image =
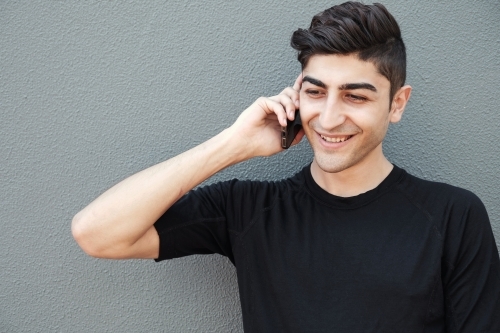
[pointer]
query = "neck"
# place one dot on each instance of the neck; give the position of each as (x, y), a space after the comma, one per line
(359, 178)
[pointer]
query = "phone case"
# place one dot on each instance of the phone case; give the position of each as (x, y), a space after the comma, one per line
(289, 132)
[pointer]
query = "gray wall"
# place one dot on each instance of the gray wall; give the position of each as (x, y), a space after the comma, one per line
(91, 92)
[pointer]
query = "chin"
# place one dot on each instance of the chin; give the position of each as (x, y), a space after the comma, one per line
(331, 164)
(335, 162)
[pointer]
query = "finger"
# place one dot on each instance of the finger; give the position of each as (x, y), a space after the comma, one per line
(270, 106)
(286, 98)
(293, 94)
(298, 82)
(296, 86)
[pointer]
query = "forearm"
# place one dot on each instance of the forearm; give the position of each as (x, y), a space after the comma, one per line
(119, 223)
(122, 215)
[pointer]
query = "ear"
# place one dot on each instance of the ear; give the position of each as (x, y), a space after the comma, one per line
(399, 103)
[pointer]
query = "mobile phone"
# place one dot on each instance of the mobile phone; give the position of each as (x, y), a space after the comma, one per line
(289, 132)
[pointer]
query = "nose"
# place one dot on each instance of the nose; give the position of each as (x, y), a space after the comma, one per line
(332, 115)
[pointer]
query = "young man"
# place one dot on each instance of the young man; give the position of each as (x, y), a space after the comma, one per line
(351, 243)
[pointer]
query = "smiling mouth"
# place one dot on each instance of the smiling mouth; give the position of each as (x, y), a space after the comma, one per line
(337, 138)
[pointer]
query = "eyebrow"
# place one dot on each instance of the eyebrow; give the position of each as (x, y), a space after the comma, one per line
(345, 86)
(361, 85)
(314, 81)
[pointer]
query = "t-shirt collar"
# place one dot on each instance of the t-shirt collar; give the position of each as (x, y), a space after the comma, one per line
(355, 201)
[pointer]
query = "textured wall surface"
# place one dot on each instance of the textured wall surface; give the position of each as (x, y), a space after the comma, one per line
(91, 92)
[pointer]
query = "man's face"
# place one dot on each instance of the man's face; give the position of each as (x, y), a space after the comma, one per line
(344, 106)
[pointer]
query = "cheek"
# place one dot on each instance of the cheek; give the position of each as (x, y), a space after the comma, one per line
(378, 125)
(310, 107)
(307, 112)
(370, 121)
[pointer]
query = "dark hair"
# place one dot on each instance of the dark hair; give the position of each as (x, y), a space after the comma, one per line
(368, 31)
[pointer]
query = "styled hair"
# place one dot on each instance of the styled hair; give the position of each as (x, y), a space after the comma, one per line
(368, 31)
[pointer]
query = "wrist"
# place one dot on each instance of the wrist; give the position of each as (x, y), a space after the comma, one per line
(236, 148)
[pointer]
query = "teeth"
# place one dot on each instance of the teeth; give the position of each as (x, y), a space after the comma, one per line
(337, 139)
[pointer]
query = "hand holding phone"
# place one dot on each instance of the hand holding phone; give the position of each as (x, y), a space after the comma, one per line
(289, 132)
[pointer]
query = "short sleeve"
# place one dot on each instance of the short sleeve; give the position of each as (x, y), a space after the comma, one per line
(471, 271)
(196, 224)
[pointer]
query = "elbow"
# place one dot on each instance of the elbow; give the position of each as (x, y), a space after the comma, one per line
(82, 233)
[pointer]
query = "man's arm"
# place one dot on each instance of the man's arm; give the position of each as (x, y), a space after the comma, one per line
(119, 223)
(471, 270)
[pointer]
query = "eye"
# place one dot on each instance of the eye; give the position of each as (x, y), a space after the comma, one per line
(313, 92)
(356, 98)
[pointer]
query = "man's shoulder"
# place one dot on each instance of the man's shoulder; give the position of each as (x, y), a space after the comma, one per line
(416, 185)
(251, 187)
(437, 196)
(252, 192)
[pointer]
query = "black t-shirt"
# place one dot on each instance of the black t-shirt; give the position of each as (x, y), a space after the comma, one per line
(408, 256)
